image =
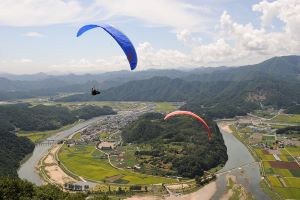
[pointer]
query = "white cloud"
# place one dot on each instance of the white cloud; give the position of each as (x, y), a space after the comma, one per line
(235, 43)
(34, 34)
(40, 12)
(21, 61)
(24, 61)
(185, 36)
(288, 11)
(170, 13)
(85, 65)
(162, 58)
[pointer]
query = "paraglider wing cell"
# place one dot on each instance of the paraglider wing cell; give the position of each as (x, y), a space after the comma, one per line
(170, 115)
(120, 38)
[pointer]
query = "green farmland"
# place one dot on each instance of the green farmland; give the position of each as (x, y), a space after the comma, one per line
(293, 119)
(283, 179)
(165, 107)
(37, 137)
(89, 163)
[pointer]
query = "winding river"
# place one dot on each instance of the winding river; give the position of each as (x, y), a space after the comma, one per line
(28, 169)
(238, 156)
(242, 165)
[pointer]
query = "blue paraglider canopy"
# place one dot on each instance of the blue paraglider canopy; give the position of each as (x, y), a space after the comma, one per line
(122, 40)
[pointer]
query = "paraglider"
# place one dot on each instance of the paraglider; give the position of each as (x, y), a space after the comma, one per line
(94, 92)
(120, 38)
(170, 115)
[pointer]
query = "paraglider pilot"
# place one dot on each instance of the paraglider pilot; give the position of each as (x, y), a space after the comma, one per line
(94, 92)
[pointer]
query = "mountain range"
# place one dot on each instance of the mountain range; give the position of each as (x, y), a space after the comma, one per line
(223, 92)
(217, 92)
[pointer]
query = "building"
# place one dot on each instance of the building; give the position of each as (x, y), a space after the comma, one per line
(79, 186)
(107, 145)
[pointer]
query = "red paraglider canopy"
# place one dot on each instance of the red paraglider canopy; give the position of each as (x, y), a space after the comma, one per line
(193, 115)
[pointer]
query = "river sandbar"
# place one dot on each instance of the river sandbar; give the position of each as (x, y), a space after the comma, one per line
(52, 169)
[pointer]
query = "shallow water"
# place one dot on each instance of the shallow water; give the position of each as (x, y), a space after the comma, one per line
(248, 175)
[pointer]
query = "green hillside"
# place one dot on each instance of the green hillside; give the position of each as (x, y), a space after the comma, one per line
(177, 147)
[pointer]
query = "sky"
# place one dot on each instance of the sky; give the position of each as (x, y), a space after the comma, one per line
(40, 35)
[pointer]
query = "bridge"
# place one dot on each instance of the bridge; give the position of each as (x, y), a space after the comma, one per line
(48, 142)
(235, 168)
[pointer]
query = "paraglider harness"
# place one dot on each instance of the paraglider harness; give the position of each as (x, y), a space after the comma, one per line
(94, 92)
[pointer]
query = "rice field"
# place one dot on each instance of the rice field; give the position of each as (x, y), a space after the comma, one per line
(283, 118)
(286, 170)
(91, 164)
(274, 181)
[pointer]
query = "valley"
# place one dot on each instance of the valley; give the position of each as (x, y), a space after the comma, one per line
(109, 162)
(125, 148)
(278, 154)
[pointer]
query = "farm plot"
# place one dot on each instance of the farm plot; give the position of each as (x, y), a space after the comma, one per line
(284, 165)
(282, 175)
(91, 164)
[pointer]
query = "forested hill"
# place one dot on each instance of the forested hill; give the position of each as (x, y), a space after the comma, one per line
(221, 93)
(154, 89)
(12, 150)
(41, 117)
(16, 189)
(34, 118)
(179, 146)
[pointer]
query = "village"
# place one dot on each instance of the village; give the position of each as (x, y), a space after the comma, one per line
(105, 133)
(262, 132)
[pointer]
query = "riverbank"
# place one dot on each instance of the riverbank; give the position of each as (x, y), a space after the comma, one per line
(205, 193)
(50, 168)
(225, 126)
(28, 169)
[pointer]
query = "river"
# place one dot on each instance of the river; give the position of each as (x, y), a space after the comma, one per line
(238, 155)
(28, 169)
(246, 175)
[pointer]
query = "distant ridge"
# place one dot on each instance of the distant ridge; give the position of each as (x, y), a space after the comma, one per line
(229, 91)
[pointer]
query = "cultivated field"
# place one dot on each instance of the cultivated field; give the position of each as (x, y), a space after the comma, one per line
(165, 107)
(279, 165)
(284, 118)
(284, 175)
(36, 137)
(90, 163)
